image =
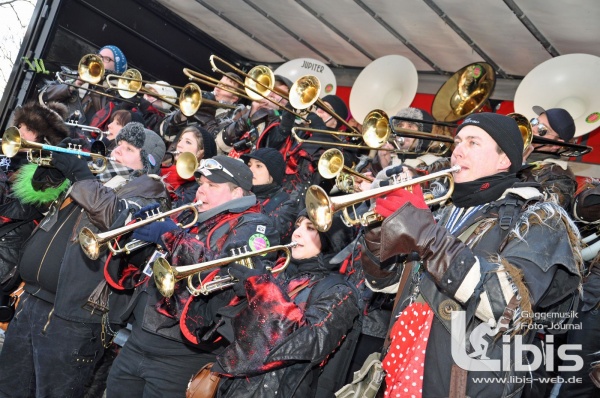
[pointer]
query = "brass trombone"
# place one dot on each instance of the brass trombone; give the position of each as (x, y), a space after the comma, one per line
(211, 81)
(12, 143)
(165, 275)
(321, 207)
(304, 93)
(94, 244)
(420, 135)
(331, 165)
(258, 83)
(570, 150)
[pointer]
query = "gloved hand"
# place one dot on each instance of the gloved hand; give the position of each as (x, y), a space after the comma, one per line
(72, 167)
(145, 211)
(153, 232)
(394, 200)
(241, 273)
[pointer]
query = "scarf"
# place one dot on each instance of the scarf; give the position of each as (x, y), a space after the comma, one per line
(265, 191)
(483, 190)
(117, 169)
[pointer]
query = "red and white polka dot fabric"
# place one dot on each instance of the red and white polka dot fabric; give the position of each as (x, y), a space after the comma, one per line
(405, 360)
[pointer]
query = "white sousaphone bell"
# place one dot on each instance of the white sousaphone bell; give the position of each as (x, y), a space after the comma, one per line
(570, 82)
(389, 83)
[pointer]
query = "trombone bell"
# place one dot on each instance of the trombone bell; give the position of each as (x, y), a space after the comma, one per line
(91, 68)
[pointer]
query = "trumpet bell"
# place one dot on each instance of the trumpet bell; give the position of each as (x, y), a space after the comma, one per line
(11, 141)
(186, 165)
(91, 68)
(190, 99)
(466, 92)
(89, 244)
(331, 163)
(376, 128)
(164, 277)
(388, 83)
(259, 82)
(319, 208)
(130, 83)
(569, 82)
(524, 127)
(305, 92)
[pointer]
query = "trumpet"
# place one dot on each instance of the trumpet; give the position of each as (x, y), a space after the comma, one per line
(12, 143)
(93, 244)
(89, 129)
(186, 164)
(321, 207)
(331, 165)
(165, 275)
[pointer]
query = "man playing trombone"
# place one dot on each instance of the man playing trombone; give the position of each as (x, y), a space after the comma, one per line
(175, 336)
(497, 256)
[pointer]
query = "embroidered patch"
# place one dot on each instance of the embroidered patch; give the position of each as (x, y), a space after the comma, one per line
(261, 229)
(258, 242)
(151, 160)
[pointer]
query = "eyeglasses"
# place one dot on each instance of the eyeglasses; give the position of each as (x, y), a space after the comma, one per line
(106, 58)
(542, 129)
(212, 164)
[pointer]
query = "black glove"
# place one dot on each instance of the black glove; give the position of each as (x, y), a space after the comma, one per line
(241, 273)
(73, 167)
(146, 211)
(154, 231)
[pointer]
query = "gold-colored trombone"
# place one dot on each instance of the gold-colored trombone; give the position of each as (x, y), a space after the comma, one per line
(12, 143)
(321, 207)
(91, 68)
(331, 165)
(304, 93)
(570, 150)
(420, 135)
(94, 244)
(165, 275)
(211, 81)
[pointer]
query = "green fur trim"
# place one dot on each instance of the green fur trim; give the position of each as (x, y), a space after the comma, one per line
(23, 190)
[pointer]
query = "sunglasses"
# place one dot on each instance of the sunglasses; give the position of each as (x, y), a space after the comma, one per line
(212, 164)
(542, 129)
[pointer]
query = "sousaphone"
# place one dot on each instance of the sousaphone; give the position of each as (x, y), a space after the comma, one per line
(467, 91)
(570, 82)
(389, 83)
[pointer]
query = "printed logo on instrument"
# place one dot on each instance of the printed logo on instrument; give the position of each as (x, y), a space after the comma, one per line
(593, 117)
(258, 242)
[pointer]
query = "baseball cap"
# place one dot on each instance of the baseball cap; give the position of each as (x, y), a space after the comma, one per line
(560, 120)
(221, 169)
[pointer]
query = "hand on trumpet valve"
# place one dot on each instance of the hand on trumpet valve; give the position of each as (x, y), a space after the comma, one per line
(147, 211)
(154, 231)
(74, 168)
(241, 273)
(388, 204)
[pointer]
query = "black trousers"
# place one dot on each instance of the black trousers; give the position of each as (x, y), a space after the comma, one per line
(46, 356)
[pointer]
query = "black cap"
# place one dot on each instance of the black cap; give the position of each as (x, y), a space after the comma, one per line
(560, 120)
(272, 159)
(284, 80)
(240, 173)
(504, 130)
(338, 105)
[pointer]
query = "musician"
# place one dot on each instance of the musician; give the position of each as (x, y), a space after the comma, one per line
(195, 140)
(59, 331)
(547, 168)
(302, 158)
(268, 167)
(208, 117)
(586, 210)
(294, 322)
(39, 124)
(81, 99)
(229, 219)
(258, 119)
(520, 257)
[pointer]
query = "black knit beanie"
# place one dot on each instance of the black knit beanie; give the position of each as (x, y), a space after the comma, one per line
(338, 105)
(210, 146)
(152, 147)
(272, 159)
(504, 130)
